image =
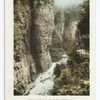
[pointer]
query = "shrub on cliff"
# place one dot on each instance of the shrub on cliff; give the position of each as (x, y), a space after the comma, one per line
(66, 84)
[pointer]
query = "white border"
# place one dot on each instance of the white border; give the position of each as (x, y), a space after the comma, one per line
(97, 49)
(1, 49)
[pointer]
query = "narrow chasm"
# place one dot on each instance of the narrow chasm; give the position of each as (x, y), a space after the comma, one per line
(51, 47)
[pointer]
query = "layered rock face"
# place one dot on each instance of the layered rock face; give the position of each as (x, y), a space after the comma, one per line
(56, 48)
(33, 27)
(71, 31)
(71, 35)
(41, 32)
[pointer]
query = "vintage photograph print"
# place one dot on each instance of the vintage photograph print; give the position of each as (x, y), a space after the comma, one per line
(51, 48)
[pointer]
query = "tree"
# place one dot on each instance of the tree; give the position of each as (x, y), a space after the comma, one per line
(83, 25)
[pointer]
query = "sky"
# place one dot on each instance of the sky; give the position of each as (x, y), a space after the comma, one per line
(62, 3)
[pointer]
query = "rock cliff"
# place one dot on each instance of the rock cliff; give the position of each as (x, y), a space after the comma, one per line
(41, 32)
(33, 28)
(56, 49)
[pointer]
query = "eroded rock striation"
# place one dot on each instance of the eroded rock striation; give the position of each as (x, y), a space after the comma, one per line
(41, 32)
(33, 28)
(56, 49)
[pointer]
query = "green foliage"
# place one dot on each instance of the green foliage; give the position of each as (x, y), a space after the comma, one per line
(71, 14)
(71, 78)
(69, 46)
(83, 25)
(84, 22)
(67, 84)
(74, 78)
(17, 35)
(81, 70)
(73, 55)
(79, 64)
(17, 9)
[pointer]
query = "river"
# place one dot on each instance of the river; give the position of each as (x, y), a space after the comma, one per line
(45, 81)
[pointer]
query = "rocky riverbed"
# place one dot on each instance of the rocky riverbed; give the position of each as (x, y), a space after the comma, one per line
(45, 81)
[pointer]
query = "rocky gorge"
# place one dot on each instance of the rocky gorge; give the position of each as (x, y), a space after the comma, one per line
(33, 28)
(48, 55)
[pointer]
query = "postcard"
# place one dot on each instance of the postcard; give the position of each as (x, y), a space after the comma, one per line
(50, 50)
